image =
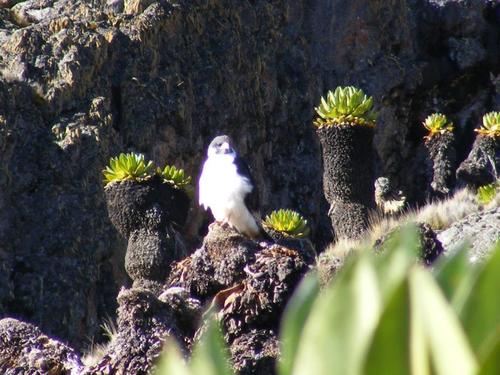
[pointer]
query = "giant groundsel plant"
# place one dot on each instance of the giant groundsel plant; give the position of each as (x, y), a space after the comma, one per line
(437, 123)
(345, 106)
(129, 166)
(174, 176)
(288, 222)
(491, 125)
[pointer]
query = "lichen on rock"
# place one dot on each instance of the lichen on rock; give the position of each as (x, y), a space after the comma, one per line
(144, 323)
(24, 349)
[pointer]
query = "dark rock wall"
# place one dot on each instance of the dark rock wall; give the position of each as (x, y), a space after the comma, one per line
(79, 84)
(415, 57)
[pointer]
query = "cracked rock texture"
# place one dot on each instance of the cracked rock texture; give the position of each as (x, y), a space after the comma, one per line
(144, 323)
(80, 82)
(250, 283)
(218, 264)
(25, 350)
(481, 230)
(255, 352)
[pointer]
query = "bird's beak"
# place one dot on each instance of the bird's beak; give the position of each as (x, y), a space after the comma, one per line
(225, 148)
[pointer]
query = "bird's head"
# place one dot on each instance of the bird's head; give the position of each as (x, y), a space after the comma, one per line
(221, 145)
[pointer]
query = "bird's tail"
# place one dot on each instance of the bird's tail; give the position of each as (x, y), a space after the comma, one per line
(245, 223)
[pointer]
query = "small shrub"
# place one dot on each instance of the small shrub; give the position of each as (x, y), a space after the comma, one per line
(437, 123)
(346, 105)
(288, 222)
(491, 125)
(130, 166)
(486, 193)
(176, 177)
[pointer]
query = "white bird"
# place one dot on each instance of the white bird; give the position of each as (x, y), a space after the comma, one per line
(225, 183)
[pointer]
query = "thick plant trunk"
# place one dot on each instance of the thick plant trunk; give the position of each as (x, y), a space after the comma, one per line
(483, 163)
(146, 213)
(128, 201)
(442, 155)
(348, 177)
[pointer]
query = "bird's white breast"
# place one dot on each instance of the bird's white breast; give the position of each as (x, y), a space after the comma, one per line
(221, 187)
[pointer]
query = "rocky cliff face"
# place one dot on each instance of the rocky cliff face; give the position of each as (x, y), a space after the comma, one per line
(82, 80)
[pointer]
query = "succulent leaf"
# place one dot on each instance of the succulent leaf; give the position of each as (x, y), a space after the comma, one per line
(345, 105)
(288, 222)
(176, 177)
(437, 123)
(491, 125)
(485, 194)
(130, 166)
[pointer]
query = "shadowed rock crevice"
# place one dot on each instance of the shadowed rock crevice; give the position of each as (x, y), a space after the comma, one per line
(429, 246)
(52, 190)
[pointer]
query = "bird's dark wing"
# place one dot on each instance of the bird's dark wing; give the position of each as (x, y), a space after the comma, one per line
(252, 199)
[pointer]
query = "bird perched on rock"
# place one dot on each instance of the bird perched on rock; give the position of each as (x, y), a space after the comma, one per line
(226, 187)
